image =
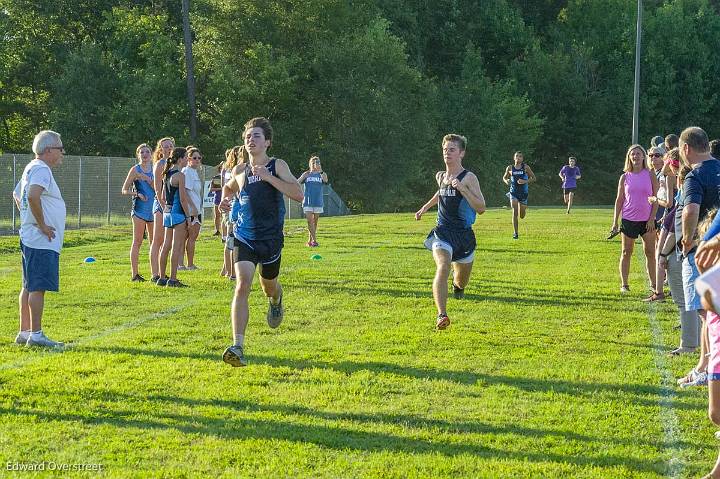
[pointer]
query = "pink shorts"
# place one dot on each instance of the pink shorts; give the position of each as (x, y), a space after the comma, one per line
(713, 325)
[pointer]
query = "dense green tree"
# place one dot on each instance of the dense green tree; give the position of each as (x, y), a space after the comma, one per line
(371, 86)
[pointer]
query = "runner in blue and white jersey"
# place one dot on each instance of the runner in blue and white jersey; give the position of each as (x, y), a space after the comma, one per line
(452, 241)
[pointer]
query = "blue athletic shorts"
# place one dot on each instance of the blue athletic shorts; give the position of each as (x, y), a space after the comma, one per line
(40, 269)
(522, 199)
(460, 244)
(171, 220)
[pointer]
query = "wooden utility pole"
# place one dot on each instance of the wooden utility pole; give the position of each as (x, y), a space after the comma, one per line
(190, 69)
(636, 91)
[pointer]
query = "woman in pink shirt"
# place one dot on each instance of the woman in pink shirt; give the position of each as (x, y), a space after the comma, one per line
(636, 185)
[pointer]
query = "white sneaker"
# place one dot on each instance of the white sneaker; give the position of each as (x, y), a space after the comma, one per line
(42, 341)
(181, 267)
(21, 339)
(192, 268)
(699, 379)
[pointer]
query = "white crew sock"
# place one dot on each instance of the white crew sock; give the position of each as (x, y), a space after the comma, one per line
(239, 339)
(37, 334)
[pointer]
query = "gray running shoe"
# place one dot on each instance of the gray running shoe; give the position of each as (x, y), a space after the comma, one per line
(458, 293)
(20, 339)
(161, 282)
(175, 283)
(275, 313)
(43, 342)
(234, 356)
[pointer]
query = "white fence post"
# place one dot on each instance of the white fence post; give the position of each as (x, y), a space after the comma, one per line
(80, 194)
(108, 191)
(14, 183)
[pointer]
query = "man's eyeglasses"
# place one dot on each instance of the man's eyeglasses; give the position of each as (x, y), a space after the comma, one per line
(61, 148)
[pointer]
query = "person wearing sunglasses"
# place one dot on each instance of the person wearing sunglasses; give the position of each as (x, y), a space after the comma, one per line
(194, 189)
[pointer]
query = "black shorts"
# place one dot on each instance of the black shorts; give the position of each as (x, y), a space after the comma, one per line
(461, 242)
(266, 253)
(633, 229)
(569, 190)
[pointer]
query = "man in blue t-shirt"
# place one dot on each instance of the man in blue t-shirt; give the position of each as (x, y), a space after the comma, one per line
(701, 192)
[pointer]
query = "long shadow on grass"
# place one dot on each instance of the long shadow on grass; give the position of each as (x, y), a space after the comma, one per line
(640, 394)
(371, 287)
(383, 419)
(339, 438)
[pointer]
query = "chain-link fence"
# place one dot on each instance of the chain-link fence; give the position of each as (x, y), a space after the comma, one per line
(91, 187)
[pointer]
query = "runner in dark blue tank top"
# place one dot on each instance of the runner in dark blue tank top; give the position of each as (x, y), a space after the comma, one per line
(452, 241)
(139, 184)
(517, 176)
(261, 184)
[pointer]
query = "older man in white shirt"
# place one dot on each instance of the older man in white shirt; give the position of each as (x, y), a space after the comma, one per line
(42, 227)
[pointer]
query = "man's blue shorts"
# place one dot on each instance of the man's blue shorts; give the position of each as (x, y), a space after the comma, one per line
(40, 269)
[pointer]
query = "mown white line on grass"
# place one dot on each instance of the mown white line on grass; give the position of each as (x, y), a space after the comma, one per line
(145, 319)
(668, 418)
(102, 334)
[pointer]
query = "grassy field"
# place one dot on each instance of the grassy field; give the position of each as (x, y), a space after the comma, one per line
(546, 371)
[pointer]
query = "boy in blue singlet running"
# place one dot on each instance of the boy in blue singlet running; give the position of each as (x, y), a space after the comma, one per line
(259, 186)
(517, 176)
(452, 241)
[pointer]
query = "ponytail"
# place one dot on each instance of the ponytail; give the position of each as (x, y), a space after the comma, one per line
(177, 155)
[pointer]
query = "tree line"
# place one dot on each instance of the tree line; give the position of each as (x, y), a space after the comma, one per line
(371, 86)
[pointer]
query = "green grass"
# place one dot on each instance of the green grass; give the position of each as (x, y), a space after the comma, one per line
(546, 371)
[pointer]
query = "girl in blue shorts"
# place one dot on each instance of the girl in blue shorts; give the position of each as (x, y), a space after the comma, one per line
(175, 219)
(163, 150)
(314, 179)
(139, 184)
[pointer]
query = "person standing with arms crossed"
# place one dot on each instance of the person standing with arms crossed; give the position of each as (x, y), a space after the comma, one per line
(259, 185)
(452, 241)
